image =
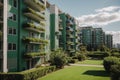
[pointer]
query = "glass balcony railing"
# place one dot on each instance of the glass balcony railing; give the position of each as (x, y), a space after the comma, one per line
(30, 26)
(35, 4)
(34, 54)
(30, 13)
(34, 40)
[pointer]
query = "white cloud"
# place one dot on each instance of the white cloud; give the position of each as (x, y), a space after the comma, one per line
(101, 18)
(108, 9)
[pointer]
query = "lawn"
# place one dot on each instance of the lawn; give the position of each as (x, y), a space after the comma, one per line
(78, 73)
(92, 62)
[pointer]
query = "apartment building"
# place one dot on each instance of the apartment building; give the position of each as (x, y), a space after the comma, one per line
(30, 30)
(91, 37)
(23, 40)
(109, 40)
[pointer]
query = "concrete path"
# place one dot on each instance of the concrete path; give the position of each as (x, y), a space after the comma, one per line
(86, 65)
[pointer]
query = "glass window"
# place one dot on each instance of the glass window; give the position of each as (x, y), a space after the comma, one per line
(9, 30)
(14, 31)
(15, 3)
(14, 17)
(9, 46)
(14, 46)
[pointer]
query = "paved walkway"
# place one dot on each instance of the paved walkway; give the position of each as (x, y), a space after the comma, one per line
(86, 65)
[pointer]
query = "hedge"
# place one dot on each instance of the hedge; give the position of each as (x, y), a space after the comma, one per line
(115, 72)
(109, 61)
(32, 74)
(98, 55)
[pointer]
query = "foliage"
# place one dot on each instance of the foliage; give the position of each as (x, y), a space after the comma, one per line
(109, 61)
(80, 56)
(34, 54)
(27, 39)
(116, 54)
(58, 58)
(98, 54)
(115, 72)
(32, 74)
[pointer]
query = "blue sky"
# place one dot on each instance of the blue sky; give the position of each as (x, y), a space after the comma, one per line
(84, 10)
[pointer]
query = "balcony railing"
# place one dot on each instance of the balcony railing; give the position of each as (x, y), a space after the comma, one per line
(34, 55)
(32, 27)
(35, 4)
(30, 13)
(34, 40)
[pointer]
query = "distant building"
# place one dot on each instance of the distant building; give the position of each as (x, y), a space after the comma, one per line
(109, 40)
(92, 38)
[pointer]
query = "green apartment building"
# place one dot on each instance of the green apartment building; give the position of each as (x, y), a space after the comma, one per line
(23, 40)
(68, 37)
(29, 30)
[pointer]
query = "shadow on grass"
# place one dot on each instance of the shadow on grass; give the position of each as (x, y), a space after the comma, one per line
(96, 73)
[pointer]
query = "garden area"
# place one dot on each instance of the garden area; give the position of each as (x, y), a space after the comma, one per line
(78, 73)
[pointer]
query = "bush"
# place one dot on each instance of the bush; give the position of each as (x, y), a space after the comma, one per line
(72, 61)
(116, 54)
(58, 58)
(98, 55)
(32, 74)
(80, 56)
(109, 61)
(115, 72)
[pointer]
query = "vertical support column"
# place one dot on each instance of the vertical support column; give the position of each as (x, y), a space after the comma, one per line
(5, 3)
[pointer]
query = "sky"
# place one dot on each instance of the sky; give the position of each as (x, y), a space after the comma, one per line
(96, 13)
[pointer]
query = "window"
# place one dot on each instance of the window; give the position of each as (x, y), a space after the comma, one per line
(12, 31)
(12, 16)
(15, 3)
(11, 46)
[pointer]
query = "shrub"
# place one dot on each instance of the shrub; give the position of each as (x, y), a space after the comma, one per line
(80, 56)
(71, 61)
(116, 54)
(98, 54)
(32, 74)
(58, 58)
(109, 61)
(115, 72)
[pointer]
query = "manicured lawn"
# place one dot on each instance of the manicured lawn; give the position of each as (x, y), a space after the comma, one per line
(78, 73)
(92, 62)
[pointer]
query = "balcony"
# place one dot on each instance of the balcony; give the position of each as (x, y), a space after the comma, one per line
(42, 23)
(60, 28)
(34, 40)
(1, 4)
(35, 4)
(34, 55)
(32, 27)
(30, 13)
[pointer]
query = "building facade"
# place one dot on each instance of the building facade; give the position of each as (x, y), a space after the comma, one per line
(24, 34)
(92, 38)
(109, 40)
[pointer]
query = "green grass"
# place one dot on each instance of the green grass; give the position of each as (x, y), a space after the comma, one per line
(78, 73)
(92, 62)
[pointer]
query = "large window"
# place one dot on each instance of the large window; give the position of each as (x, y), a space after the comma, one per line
(11, 31)
(12, 46)
(12, 16)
